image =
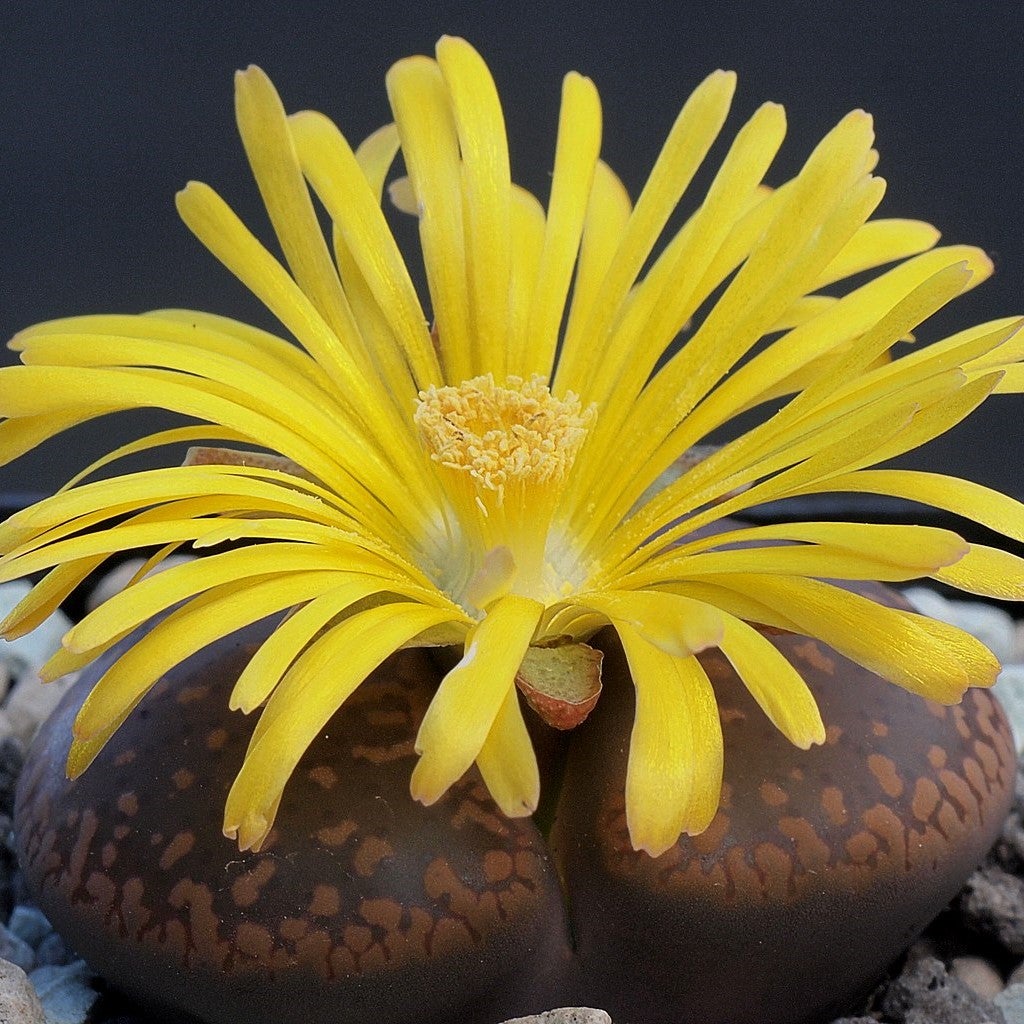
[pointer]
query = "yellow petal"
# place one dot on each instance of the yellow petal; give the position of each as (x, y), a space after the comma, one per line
(878, 242)
(283, 646)
(45, 597)
(674, 772)
(676, 625)
(691, 136)
(263, 126)
(988, 572)
(664, 301)
(430, 148)
(579, 142)
(778, 688)
(965, 498)
(608, 212)
(318, 683)
(839, 550)
(470, 696)
(487, 190)
(340, 182)
(206, 618)
(917, 653)
(508, 763)
(528, 225)
(128, 609)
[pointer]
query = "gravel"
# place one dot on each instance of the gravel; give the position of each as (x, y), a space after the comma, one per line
(967, 968)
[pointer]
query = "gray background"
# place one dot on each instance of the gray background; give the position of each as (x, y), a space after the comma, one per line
(106, 109)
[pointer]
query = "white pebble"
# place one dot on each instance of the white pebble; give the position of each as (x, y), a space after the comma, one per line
(1011, 1002)
(33, 649)
(565, 1015)
(119, 577)
(929, 602)
(18, 1000)
(993, 626)
(1009, 688)
(977, 974)
(31, 701)
(65, 992)
(1018, 642)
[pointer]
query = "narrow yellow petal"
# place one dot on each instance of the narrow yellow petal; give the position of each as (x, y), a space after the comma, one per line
(879, 242)
(688, 141)
(926, 657)
(375, 155)
(608, 213)
(46, 596)
(21, 435)
(340, 182)
(487, 188)
(576, 151)
(528, 227)
(263, 126)
(988, 572)
(675, 625)
(316, 686)
(421, 107)
(206, 618)
(965, 498)
(210, 219)
(665, 300)
(176, 435)
(508, 763)
(778, 688)
(470, 696)
(674, 772)
(840, 550)
(271, 661)
(128, 609)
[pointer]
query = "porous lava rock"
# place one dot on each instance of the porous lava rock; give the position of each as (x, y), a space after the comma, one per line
(820, 867)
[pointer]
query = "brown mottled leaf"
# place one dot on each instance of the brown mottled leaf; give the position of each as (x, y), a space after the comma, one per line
(201, 455)
(561, 682)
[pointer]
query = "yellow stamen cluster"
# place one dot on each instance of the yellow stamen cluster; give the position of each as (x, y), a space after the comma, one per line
(519, 433)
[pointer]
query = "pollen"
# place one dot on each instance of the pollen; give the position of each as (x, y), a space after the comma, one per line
(501, 436)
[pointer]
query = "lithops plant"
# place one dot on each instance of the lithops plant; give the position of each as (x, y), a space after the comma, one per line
(507, 468)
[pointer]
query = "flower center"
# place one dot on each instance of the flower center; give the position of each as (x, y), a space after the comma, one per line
(517, 434)
(503, 450)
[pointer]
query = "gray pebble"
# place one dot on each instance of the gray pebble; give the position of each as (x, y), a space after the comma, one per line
(19, 1003)
(30, 702)
(926, 994)
(31, 650)
(565, 1015)
(1011, 1002)
(1009, 688)
(53, 951)
(930, 602)
(30, 924)
(978, 974)
(992, 903)
(16, 949)
(65, 992)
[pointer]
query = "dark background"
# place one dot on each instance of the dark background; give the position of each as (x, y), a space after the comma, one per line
(106, 109)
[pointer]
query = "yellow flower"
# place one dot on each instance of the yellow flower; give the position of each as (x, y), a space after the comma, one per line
(516, 476)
